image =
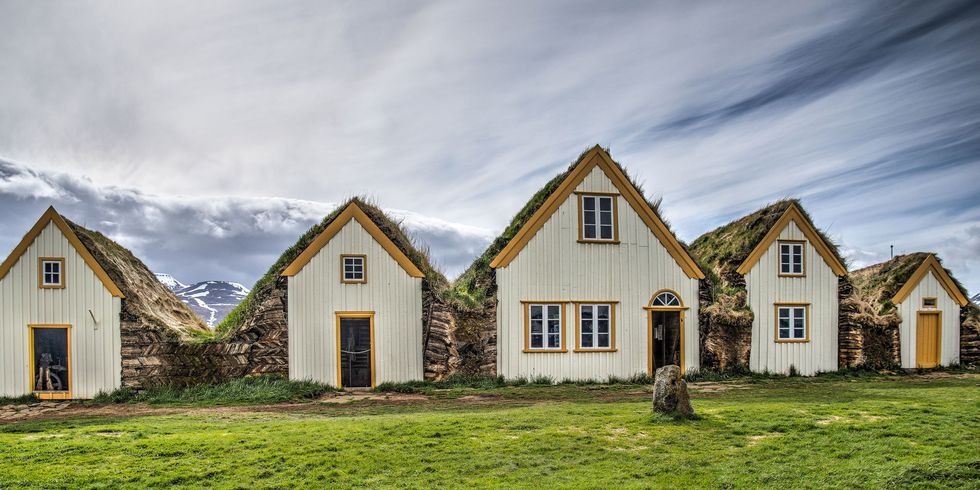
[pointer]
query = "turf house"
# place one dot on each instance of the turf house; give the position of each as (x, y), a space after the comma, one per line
(587, 282)
(79, 315)
(355, 296)
(914, 314)
(772, 296)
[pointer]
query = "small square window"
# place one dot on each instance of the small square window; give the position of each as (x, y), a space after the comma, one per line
(597, 218)
(51, 272)
(792, 259)
(353, 268)
(929, 303)
(791, 324)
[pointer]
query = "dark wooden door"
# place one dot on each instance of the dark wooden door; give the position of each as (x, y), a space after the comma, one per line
(355, 352)
(665, 338)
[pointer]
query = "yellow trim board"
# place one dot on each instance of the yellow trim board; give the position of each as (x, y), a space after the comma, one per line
(597, 157)
(352, 212)
(51, 215)
(340, 315)
(793, 214)
(931, 264)
(49, 395)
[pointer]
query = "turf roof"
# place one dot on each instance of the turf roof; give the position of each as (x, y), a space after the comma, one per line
(476, 286)
(433, 281)
(146, 301)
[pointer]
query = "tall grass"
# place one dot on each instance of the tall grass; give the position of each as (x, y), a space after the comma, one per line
(242, 391)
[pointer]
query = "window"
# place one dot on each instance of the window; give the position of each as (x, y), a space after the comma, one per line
(353, 268)
(598, 221)
(545, 325)
(51, 272)
(929, 303)
(791, 323)
(596, 326)
(666, 298)
(791, 258)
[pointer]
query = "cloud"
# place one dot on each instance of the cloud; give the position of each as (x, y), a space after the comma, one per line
(196, 239)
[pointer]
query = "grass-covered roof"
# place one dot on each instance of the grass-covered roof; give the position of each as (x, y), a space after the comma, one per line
(476, 286)
(433, 281)
(146, 301)
(721, 251)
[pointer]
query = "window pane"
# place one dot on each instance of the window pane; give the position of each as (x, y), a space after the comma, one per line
(603, 326)
(798, 333)
(554, 341)
(536, 326)
(799, 313)
(537, 341)
(589, 218)
(607, 233)
(587, 327)
(783, 323)
(605, 218)
(554, 326)
(784, 313)
(603, 341)
(797, 268)
(587, 341)
(784, 333)
(603, 311)
(586, 312)
(589, 232)
(605, 204)
(536, 312)
(588, 203)
(784, 267)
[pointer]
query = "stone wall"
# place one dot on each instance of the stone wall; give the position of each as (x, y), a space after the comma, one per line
(154, 356)
(969, 335)
(850, 338)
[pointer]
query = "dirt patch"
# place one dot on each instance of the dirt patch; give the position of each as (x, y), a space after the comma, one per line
(753, 440)
(713, 388)
(341, 398)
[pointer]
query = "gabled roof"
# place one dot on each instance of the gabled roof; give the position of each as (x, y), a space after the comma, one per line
(793, 214)
(597, 157)
(352, 212)
(51, 215)
(931, 264)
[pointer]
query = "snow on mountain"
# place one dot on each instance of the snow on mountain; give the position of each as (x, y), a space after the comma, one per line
(171, 282)
(213, 300)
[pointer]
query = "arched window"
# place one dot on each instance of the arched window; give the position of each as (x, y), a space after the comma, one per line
(667, 299)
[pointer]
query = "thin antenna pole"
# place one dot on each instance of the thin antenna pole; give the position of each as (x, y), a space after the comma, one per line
(892, 247)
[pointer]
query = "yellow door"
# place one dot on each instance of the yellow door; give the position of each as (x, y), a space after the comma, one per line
(927, 340)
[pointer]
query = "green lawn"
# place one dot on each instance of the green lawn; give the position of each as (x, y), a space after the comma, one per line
(790, 433)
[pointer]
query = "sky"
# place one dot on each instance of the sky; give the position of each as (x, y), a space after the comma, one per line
(208, 136)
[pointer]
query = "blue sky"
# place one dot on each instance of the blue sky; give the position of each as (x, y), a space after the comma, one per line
(207, 137)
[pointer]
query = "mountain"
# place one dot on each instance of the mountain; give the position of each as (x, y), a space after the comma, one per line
(976, 299)
(213, 300)
(171, 282)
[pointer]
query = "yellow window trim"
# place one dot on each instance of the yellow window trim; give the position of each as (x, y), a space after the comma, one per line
(793, 214)
(597, 157)
(931, 264)
(613, 306)
(775, 337)
(343, 277)
(779, 255)
(355, 314)
(527, 326)
(352, 212)
(48, 395)
(581, 218)
(40, 272)
(935, 303)
(51, 215)
(650, 309)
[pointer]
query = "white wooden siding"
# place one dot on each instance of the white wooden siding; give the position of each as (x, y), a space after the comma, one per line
(316, 294)
(818, 287)
(908, 309)
(96, 363)
(554, 266)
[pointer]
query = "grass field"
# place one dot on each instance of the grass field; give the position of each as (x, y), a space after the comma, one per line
(783, 433)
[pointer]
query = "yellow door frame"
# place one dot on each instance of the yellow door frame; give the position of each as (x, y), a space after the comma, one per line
(355, 314)
(649, 310)
(49, 395)
(939, 336)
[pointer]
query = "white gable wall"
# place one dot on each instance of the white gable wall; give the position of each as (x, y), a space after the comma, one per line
(315, 294)
(818, 287)
(949, 349)
(554, 266)
(96, 363)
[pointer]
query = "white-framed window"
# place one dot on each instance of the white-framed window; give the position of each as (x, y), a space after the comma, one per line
(595, 326)
(51, 273)
(791, 323)
(353, 268)
(598, 217)
(666, 298)
(545, 325)
(791, 259)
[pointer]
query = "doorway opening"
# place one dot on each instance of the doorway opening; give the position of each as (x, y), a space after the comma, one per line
(355, 350)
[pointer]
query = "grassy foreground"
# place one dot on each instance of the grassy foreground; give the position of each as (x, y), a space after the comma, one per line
(789, 433)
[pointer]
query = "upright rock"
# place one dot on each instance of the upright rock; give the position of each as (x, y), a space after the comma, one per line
(670, 392)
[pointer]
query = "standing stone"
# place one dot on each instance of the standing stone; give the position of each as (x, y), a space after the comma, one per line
(670, 392)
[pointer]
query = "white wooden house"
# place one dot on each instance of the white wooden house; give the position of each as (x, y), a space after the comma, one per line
(593, 284)
(355, 302)
(791, 277)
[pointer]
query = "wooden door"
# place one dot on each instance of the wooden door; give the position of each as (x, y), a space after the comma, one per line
(665, 338)
(927, 338)
(355, 352)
